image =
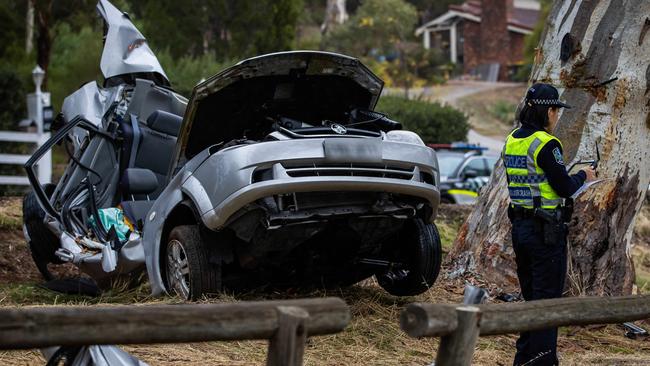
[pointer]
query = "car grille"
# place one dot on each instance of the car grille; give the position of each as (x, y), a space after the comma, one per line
(353, 170)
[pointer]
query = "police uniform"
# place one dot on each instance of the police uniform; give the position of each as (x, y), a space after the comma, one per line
(537, 185)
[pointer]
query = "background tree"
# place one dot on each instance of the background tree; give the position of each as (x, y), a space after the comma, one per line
(531, 41)
(50, 13)
(13, 30)
(378, 26)
(176, 26)
(430, 9)
(335, 14)
(381, 33)
(29, 26)
(228, 29)
(15, 65)
(598, 53)
(264, 26)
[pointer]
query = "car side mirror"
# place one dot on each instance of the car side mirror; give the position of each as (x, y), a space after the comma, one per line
(138, 181)
(470, 173)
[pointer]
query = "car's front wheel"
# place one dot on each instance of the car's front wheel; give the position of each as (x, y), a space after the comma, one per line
(189, 273)
(419, 252)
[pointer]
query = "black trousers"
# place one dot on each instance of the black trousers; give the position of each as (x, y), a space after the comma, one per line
(541, 268)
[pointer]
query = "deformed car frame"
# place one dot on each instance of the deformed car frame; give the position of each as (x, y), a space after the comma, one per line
(281, 174)
(306, 184)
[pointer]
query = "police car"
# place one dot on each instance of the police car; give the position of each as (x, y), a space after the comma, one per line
(464, 170)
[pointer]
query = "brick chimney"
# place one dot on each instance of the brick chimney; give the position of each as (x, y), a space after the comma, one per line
(495, 38)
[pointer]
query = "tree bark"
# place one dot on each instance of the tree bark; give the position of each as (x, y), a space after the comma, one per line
(29, 27)
(44, 37)
(598, 55)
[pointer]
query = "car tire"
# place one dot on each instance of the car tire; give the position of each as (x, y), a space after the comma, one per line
(42, 242)
(189, 273)
(421, 252)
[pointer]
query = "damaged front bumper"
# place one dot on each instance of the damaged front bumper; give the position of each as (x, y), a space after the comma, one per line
(232, 178)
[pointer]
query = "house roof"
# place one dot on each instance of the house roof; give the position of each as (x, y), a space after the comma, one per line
(522, 19)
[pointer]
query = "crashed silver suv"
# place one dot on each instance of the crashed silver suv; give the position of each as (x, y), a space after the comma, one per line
(279, 173)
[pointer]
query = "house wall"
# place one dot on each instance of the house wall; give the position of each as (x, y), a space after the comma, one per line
(495, 37)
(471, 46)
(516, 48)
(487, 42)
(490, 41)
(511, 53)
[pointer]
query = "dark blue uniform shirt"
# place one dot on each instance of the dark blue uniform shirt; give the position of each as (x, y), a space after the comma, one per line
(550, 160)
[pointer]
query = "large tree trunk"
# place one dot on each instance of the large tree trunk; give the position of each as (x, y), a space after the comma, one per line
(585, 46)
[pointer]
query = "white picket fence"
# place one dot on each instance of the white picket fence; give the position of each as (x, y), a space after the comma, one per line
(44, 165)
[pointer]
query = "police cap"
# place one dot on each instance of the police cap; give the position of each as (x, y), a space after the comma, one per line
(545, 95)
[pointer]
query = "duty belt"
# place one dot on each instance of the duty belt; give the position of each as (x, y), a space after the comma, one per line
(559, 214)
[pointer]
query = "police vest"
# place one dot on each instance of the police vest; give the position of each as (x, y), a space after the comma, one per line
(527, 183)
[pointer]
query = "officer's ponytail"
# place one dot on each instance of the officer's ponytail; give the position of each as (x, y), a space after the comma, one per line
(534, 115)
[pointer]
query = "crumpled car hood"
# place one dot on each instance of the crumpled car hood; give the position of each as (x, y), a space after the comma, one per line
(125, 49)
(306, 85)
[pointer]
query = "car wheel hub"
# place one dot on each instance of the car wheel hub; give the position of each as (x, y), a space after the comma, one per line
(178, 270)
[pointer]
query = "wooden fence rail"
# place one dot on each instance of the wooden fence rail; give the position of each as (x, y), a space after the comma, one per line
(457, 324)
(285, 323)
(44, 168)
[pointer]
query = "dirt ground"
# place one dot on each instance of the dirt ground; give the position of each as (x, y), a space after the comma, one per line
(372, 338)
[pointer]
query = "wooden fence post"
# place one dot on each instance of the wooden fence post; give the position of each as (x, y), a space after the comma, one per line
(287, 346)
(457, 348)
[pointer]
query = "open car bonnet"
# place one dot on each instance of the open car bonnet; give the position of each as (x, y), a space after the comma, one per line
(304, 85)
(125, 49)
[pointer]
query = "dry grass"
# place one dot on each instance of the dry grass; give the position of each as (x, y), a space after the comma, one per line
(450, 219)
(11, 217)
(641, 255)
(372, 338)
(641, 248)
(642, 224)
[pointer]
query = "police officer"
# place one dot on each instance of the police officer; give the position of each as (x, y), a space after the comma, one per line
(538, 183)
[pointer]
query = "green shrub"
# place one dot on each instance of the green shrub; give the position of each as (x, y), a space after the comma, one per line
(75, 61)
(503, 111)
(523, 73)
(12, 99)
(12, 110)
(433, 122)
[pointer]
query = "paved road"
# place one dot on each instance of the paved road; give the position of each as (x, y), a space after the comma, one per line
(493, 145)
(464, 89)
